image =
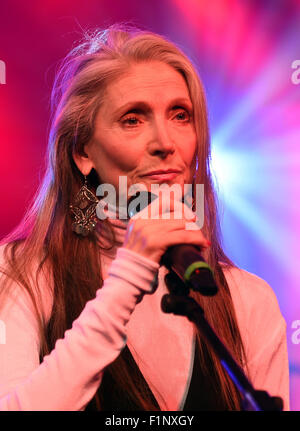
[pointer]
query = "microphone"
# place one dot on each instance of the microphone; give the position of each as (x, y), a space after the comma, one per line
(184, 259)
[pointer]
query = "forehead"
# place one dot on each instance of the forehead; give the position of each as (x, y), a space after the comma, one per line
(150, 81)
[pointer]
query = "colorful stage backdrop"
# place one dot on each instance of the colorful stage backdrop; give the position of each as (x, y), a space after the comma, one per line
(248, 55)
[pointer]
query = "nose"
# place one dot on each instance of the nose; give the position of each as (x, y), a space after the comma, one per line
(161, 143)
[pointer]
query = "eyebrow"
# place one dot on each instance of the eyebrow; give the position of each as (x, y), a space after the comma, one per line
(140, 105)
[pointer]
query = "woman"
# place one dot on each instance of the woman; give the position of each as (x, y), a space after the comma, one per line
(81, 296)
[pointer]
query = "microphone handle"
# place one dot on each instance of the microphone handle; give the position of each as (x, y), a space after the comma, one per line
(189, 265)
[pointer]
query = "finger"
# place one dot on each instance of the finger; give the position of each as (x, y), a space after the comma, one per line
(162, 210)
(154, 227)
(177, 235)
(161, 234)
(154, 237)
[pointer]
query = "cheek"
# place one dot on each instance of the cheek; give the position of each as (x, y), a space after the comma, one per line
(126, 158)
(188, 155)
(115, 155)
(188, 150)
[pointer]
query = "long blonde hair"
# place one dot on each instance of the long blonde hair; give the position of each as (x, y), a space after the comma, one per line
(71, 262)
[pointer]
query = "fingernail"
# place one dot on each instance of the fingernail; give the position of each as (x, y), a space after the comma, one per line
(208, 243)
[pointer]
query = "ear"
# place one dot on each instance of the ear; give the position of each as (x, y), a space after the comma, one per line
(83, 162)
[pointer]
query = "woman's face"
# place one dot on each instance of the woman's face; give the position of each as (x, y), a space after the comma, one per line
(145, 124)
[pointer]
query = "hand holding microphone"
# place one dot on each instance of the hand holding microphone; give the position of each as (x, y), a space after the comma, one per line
(168, 242)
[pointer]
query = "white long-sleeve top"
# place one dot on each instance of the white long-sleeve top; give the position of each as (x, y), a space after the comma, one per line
(127, 309)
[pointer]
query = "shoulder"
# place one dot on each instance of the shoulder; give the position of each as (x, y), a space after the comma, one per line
(250, 290)
(256, 307)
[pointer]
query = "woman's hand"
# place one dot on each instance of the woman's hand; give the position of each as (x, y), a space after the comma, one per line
(151, 237)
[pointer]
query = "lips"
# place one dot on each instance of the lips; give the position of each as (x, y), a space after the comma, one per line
(163, 175)
(162, 172)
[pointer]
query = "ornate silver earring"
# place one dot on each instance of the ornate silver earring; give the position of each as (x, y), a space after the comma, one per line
(84, 211)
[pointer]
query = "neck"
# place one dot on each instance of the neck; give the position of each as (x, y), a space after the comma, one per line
(112, 227)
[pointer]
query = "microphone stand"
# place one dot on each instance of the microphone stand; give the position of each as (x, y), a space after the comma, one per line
(180, 303)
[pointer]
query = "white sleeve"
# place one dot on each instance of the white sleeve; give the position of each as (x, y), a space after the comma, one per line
(69, 376)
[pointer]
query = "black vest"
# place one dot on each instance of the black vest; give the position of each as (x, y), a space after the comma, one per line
(201, 396)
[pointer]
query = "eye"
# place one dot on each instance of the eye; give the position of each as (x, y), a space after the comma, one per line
(182, 115)
(130, 121)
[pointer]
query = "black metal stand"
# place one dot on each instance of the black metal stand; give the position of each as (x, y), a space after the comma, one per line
(181, 304)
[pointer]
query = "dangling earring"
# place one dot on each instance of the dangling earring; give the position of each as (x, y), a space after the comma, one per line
(85, 221)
